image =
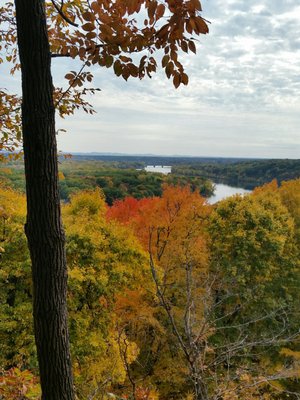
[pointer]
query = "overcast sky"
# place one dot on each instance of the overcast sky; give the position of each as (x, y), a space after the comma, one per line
(243, 99)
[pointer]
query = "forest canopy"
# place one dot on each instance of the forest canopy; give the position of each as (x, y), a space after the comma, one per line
(165, 293)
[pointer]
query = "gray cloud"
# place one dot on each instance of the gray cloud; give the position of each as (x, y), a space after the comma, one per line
(243, 97)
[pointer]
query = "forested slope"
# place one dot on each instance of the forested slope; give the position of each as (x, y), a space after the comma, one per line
(167, 295)
(117, 180)
(246, 174)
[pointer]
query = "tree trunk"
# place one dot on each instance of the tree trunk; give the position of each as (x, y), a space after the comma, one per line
(43, 227)
(200, 389)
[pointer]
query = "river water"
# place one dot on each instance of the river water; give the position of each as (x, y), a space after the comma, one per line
(222, 191)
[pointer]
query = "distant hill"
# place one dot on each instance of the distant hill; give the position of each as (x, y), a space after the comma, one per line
(239, 172)
(154, 159)
(242, 173)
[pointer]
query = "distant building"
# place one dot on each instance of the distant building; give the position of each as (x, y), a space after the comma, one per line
(162, 169)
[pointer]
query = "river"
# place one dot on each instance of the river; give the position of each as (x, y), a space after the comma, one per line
(222, 191)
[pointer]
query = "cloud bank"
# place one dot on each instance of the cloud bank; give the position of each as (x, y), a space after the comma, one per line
(242, 100)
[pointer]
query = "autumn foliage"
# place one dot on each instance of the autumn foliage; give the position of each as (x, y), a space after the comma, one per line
(163, 290)
(110, 33)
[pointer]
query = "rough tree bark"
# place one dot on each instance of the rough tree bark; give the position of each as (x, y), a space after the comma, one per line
(43, 226)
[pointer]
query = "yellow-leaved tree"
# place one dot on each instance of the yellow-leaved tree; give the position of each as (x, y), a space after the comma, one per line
(106, 264)
(105, 261)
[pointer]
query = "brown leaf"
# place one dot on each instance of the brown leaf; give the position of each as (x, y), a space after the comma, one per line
(189, 27)
(165, 60)
(88, 16)
(91, 35)
(117, 68)
(197, 5)
(96, 7)
(184, 78)
(201, 25)
(169, 69)
(143, 61)
(73, 52)
(160, 11)
(134, 71)
(125, 73)
(194, 5)
(163, 32)
(69, 76)
(125, 59)
(176, 80)
(109, 61)
(88, 27)
(184, 46)
(192, 46)
(151, 9)
(82, 52)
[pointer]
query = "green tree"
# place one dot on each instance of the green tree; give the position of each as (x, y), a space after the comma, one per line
(254, 258)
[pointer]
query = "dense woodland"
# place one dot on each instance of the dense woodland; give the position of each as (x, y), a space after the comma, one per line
(241, 172)
(168, 296)
(247, 174)
(117, 180)
(122, 176)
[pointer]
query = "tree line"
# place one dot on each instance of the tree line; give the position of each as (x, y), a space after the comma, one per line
(244, 173)
(116, 180)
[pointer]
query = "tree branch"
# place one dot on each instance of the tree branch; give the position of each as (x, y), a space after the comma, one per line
(60, 12)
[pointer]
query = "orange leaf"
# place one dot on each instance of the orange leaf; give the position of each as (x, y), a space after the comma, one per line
(197, 5)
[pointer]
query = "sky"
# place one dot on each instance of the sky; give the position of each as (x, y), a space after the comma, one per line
(243, 98)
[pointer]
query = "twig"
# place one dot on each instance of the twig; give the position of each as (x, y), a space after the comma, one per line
(60, 12)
